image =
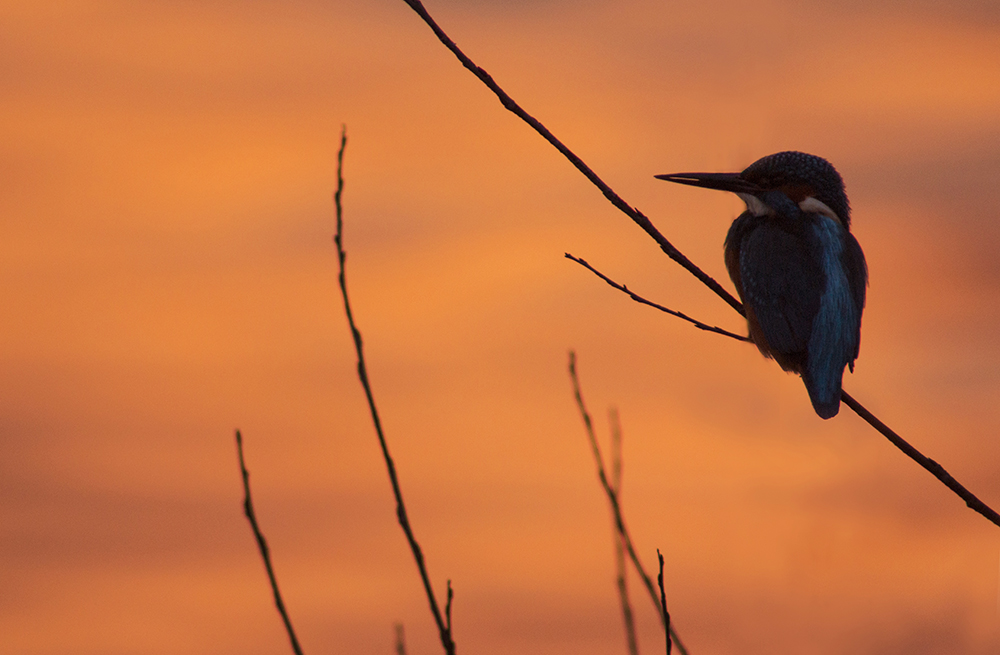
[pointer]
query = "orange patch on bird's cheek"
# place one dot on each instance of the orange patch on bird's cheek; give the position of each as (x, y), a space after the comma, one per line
(797, 192)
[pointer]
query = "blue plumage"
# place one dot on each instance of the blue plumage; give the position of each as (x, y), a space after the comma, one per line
(800, 273)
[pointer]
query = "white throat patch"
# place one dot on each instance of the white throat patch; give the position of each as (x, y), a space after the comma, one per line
(810, 205)
(814, 206)
(754, 204)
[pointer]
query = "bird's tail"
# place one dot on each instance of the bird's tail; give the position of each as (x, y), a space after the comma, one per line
(824, 393)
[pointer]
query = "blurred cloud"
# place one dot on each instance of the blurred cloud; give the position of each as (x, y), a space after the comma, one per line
(165, 242)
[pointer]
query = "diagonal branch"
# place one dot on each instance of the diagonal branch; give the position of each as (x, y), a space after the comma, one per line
(638, 217)
(929, 464)
(444, 627)
(668, 248)
(615, 506)
(642, 301)
(265, 552)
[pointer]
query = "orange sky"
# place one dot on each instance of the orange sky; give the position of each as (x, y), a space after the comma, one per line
(165, 228)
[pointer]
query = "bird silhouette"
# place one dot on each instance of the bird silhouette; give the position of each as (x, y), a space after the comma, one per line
(799, 271)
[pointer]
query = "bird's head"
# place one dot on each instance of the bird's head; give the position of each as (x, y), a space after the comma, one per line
(808, 181)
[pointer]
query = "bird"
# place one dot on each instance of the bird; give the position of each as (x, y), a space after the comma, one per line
(799, 271)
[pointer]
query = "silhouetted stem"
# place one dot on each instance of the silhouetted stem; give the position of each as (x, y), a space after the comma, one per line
(642, 301)
(444, 628)
(616, 511)
(400, 640)
(638, 217)
(663, 598)
(265, 552)
(929, 464)
(622, 575)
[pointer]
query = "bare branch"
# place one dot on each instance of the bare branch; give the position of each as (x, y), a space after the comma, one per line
(663, 597)
(621, 572)
(642, 301)
(615, 507)
(265, 552)
(447, 607)
(444, 629)
(400, 640)
(929, 464)
(638, 217)
(642, 221)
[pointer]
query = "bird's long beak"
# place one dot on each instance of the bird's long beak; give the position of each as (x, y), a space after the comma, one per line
(721, 181)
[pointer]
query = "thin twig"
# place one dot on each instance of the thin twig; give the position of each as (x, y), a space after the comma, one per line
(444, 629)
(613, 500)
(447, 607)
(927, 463)
(663, 597)
(643, 222)
(621, 572)
(265, 552)
(400, 640)
(639, 299)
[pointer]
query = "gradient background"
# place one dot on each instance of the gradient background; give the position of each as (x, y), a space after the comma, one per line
(168, 276)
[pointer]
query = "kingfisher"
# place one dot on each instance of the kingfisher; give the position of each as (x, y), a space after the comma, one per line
(799, 271)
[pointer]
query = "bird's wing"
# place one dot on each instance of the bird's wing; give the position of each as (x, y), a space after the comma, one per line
(857, 277)
(782, 286)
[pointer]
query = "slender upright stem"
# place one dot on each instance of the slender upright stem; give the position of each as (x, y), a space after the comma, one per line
(444, 627)
(663, 598)
(265, 552)
(622, 574)
(615, 506)
(400, 640)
